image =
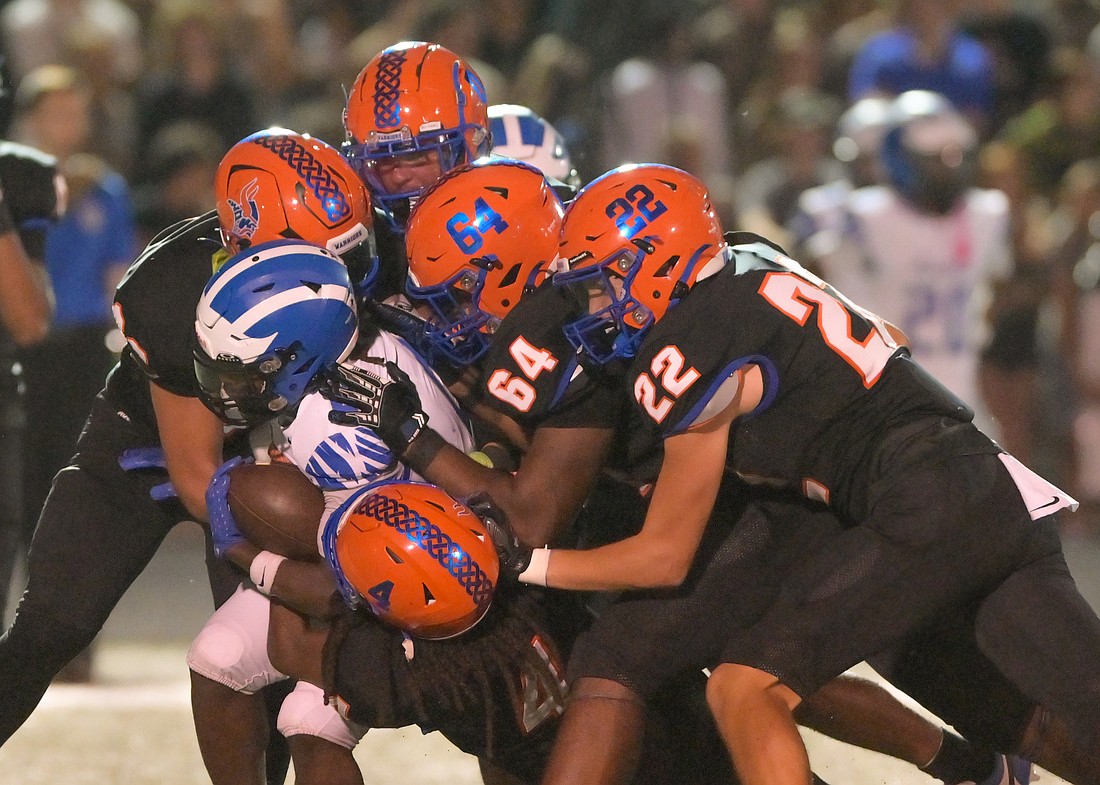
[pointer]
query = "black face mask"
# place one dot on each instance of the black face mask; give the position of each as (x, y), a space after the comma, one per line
(938, 186)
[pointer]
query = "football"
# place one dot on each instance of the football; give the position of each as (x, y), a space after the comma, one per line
(277, 508)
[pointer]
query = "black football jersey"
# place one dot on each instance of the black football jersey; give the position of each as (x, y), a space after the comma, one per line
(834, 384)
(155, 309)
(532, 374)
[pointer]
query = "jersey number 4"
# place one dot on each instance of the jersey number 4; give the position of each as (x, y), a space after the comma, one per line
(515, 390)
(796, 297)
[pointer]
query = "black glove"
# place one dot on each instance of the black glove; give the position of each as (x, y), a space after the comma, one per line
(30, 182)
(386, 402)
(514, 556)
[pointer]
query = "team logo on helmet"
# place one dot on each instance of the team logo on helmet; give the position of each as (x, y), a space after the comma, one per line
(245, 223)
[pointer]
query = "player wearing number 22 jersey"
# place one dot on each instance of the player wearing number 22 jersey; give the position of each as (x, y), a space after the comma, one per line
(750, 368)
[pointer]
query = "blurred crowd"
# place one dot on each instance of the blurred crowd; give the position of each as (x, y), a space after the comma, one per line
(139, 100)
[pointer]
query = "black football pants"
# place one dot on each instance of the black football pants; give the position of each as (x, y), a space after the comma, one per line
(97, 531)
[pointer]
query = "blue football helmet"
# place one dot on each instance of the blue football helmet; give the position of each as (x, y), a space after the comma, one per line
(268, 324)
(521, 134)
(929, 151)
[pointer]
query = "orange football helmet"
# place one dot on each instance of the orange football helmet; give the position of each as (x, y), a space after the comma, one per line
(277, 184)
(636, 238)
(477, 241)
(415, 112)
(421, 560)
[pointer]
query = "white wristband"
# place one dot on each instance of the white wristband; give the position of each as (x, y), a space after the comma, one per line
(536, 570)
(263, 568)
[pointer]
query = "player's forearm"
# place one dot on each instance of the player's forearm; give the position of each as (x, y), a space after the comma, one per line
(535, 516)
(637, 562)
(26, 305)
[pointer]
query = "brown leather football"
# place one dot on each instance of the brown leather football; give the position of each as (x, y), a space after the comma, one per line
(277, 508)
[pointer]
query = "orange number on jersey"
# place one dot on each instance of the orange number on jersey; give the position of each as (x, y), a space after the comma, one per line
(531, 361)
(668, 366)
(795, 296)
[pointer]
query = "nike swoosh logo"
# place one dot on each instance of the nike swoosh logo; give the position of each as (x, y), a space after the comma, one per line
(1053, 500)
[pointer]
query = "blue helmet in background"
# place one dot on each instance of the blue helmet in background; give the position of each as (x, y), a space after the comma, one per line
(268, 324)
(929, 151)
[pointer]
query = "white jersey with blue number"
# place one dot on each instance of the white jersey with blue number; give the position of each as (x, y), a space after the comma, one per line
(338, 456)
(931, 275)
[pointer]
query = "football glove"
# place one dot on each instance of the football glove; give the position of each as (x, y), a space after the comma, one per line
(140, 458)
(223, 526)
(29, 179)
(514, 556)
(385, 401)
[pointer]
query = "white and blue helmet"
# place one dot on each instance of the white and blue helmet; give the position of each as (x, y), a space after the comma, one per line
(269, 322)
(929, 151)
(519, 133)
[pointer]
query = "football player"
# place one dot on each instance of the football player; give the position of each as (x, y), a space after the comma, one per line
(803, 390)
(269, 325)
(32, 196)
(480, 243)
(106, 515)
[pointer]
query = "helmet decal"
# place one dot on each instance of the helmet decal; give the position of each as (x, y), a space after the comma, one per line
(313, 173)
(387, 106)
(429, 537)
(245, 225)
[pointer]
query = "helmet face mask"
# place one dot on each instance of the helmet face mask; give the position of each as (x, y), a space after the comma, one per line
(415, 112)
(268, 324)
(481, 237)
(929, 151)
(614, 323)
(457, 326)
(243, 393)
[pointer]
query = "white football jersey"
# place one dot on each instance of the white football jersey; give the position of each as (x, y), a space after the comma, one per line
(339, 456)
(931, 275)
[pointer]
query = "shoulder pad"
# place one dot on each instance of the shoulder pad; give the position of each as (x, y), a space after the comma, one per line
(748, 238)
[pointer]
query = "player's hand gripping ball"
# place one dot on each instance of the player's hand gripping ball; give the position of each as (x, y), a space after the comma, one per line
(422, 561)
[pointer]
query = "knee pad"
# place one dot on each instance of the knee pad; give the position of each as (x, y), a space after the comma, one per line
(232, 648)
(304, 712)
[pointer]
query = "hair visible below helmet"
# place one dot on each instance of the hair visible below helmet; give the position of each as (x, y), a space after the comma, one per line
(268, 323)
(277, 184)
(858, 140)
(477, 241)
(638, 238)
(421, 560)
(521, 134)
(929, 151)
(413, 99)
